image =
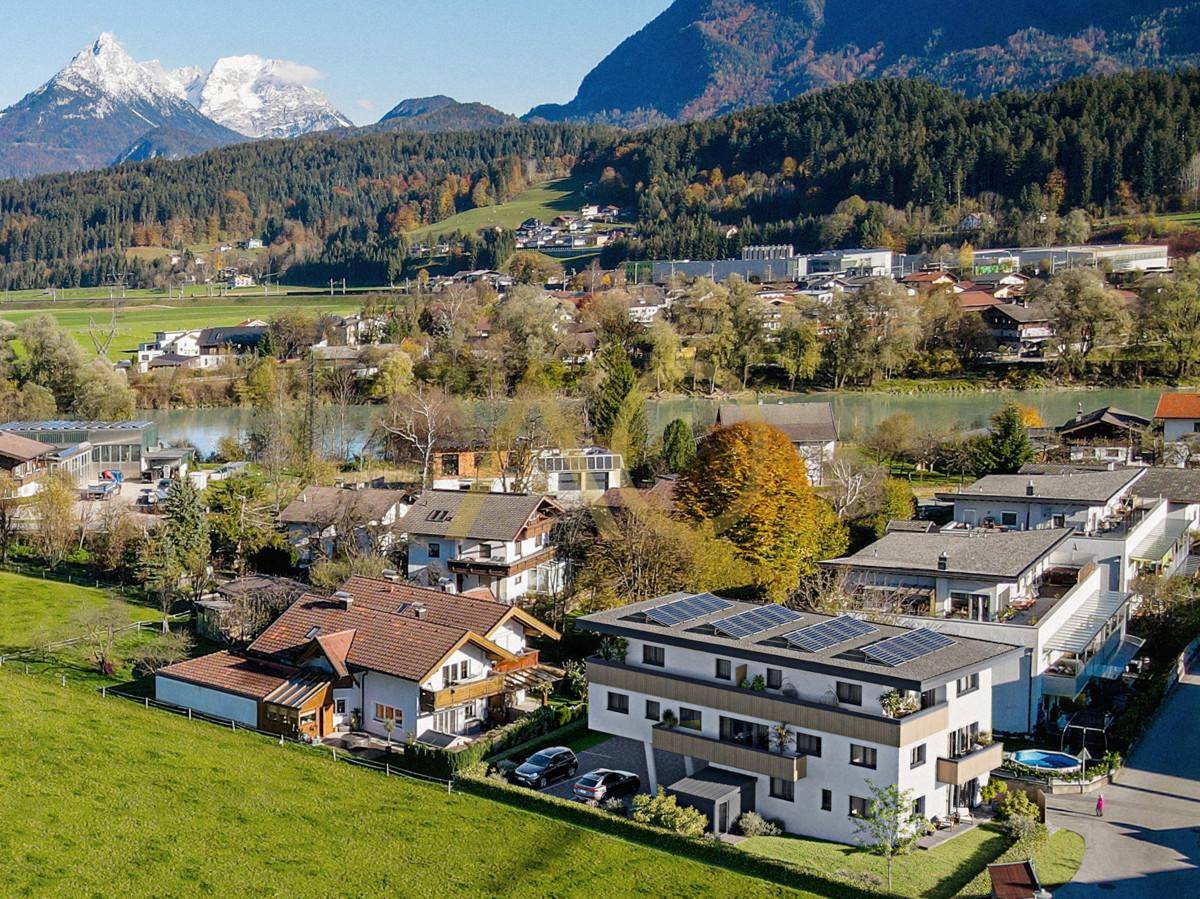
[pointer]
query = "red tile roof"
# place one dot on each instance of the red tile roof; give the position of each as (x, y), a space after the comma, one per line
(1178, 405)
(976, 299)
(467, 612)
(232, 673)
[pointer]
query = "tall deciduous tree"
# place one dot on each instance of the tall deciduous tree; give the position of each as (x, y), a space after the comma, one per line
(749, 483)
(1171, 314)
(1085, 314)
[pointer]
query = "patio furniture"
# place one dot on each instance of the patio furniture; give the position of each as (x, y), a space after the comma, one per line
(962, 815)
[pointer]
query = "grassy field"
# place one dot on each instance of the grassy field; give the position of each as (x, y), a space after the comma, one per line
(1059, 859)
(31, 606)
(934, 874)
(137, 323)
(100, 797)
(544, 201)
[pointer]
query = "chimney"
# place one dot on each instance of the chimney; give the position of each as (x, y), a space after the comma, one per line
(344, 598)
(390, 574)
(943, 562)
(419, 611)
(1029, 488)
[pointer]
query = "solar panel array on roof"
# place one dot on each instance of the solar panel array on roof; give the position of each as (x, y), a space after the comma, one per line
(755, 621)
(906, 647)
(820, 636)
(689, 609)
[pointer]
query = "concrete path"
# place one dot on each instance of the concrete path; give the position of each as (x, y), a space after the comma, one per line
(1148, 843)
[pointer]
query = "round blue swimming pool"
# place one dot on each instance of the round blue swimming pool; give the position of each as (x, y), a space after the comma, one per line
(1046, 760)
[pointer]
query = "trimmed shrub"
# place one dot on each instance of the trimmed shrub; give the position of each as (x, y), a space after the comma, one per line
(1016, 804)
(1020, 827)
(752, 824)
(665, 811)
(615, 807)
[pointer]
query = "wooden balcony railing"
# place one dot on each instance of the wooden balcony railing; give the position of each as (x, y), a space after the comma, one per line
(456, 694)
(967, 767)
(528, 660)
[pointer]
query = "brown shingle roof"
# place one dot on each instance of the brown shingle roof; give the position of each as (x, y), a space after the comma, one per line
(14, 446)
(801, 422)
(327, 505)
(479, 516)
(394, 643)
(471, 613)
(232, 673)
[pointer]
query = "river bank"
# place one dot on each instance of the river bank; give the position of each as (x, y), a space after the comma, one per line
(856, 413)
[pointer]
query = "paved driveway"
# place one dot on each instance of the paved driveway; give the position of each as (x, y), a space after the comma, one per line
(621, 754)
(1148, 843)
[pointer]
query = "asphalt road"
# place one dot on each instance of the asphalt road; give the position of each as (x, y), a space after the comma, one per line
(1148, 843)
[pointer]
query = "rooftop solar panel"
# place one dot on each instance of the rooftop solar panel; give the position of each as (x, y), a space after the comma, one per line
(681, 610)
(820, 636)
(906, 647)
(755, 621)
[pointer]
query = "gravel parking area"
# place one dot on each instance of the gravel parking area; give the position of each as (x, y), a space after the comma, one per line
(621, 754)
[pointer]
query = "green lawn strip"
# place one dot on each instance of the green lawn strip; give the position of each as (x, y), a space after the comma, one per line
(1059, 858)
(546, 201)
(935, 873)
(103, 798)
(136, 324)
(31, 608)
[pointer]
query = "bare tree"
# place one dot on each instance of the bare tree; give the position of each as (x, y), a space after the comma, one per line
(420, 421)
(851, 479)
(99, 626)
(10, 512)
(1189, 180)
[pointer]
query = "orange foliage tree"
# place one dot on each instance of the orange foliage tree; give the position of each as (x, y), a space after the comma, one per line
(749, 483)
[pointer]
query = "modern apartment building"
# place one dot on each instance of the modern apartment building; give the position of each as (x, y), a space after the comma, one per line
(793, 714)
(1033, 589)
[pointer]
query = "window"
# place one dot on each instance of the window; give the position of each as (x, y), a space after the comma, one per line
(464, 670)
(689, 718)
(808, 744)
(862, 756)
(339, 706)
(827, 800)
(917, 759)
(653, 655)
(919, 807)
(858, 807)
(724, 669)
(450, 464)
(783, 789)
(618, 702)
(849, 694)
(1008, 519)
(968, 684)
(435, 550)
(1058, 521)
(774, 679)
(388, 713)
(653, 710)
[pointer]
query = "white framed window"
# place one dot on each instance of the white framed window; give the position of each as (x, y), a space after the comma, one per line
(389, 713)
(339, 706)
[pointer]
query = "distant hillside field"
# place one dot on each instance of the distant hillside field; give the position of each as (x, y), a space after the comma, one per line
(544, 201)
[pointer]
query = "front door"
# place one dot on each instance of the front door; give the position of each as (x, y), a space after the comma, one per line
(723, 817)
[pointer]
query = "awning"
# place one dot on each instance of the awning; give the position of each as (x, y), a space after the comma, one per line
(1130, 646)
(531, 679)
(297, 690)
(1087, 621)
(1159, 542)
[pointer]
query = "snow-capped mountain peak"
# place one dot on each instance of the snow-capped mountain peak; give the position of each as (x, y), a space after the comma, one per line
(262, 97)
(104, 67)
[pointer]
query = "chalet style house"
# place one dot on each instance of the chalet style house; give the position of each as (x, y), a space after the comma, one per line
(377, 657)
(498, 541)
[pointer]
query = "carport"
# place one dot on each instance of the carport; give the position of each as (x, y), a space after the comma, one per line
(721, 795)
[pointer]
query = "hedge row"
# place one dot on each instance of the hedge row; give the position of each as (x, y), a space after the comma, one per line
(707, 851)
(518, 734)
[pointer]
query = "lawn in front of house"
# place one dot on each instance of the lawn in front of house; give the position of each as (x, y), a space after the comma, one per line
(934, 873)
(102, 797)
(1059, 858)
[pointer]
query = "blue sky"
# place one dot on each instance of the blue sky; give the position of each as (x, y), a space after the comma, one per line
(512, 54)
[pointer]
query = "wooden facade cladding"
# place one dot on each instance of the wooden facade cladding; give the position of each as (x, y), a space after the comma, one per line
(804, 714)
(432, 700)
(970, 766)
(732, 755)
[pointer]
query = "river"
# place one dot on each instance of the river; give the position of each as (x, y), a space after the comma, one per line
(856, 413)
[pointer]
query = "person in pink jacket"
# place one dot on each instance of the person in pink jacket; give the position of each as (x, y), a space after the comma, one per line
(1100, 806)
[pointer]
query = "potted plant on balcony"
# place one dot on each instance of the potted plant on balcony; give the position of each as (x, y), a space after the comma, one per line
(781, 737)
(668, 719)
(898, 703)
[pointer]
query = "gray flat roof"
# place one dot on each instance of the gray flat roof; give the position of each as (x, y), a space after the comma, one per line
(712, 783)
(977, 552)
(846, 658)
(1074, 487)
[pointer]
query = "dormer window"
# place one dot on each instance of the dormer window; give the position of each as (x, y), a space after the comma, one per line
(312, 632)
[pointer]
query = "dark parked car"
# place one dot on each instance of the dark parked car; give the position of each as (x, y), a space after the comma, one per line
(548, 765)
(601, 784)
